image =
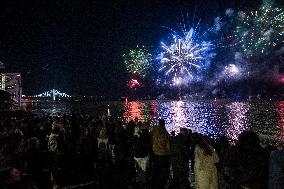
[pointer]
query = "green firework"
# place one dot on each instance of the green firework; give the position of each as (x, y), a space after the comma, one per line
(262, 31)
(138, 61)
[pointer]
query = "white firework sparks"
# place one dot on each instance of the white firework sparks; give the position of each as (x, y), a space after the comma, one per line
(185, 55)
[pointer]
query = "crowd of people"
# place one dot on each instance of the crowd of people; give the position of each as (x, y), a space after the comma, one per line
(84, 151)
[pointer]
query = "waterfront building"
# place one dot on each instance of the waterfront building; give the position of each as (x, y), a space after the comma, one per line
(12, 83)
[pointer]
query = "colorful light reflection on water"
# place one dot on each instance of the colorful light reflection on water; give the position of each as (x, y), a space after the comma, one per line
(215, 118)
(143, 110)
(196, 116)
(279, 132)
(237, 119)
(212, 118)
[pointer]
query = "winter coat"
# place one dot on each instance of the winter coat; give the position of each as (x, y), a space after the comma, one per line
(160, 141)
(205, 169)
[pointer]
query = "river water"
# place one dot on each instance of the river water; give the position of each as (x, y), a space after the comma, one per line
(213, 117)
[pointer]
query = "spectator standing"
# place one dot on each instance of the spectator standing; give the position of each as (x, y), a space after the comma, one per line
(161, 155)
(205, 165)
(180, 159)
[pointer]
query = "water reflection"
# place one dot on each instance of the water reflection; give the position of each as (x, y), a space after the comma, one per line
(280, 129)
(280, 110)
(237, 119)
(154, 111)
(174, 114)
(212, 118)
(199, 117)
(144, 111)
(132, 110)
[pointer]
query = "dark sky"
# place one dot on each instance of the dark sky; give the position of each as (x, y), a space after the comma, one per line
(76, 45)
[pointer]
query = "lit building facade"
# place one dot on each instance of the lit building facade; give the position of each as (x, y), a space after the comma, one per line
(11, 82)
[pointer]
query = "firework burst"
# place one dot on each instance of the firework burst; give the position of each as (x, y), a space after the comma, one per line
(133, 83)
(138, 61)
(185, 55)
(261, 31)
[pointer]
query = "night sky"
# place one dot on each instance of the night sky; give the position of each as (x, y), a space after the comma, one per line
(76, 46)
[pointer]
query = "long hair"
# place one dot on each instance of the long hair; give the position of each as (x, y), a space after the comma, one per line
(207, 149)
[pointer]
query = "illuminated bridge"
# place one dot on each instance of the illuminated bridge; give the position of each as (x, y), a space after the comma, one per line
(53, 93)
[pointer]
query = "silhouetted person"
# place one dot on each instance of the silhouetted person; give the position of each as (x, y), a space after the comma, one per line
(180, 160)
(276, 170)
(224, 152)
(250, 164)
(205, 169)
(141, 150)
(161, 155)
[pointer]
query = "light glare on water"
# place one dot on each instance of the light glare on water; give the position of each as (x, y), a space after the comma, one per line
(212, 118)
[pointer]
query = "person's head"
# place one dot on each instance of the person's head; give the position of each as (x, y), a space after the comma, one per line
(145, 125)
(139, 124)
(118, 123)
(56, 119)
(183, 131)
(104, 118)
(189, 131)
(136, 119)
(162, 122)
(199, 140)
(196, 137)
(34, 142)
(131, 124)
(56, 130)
(248, 140)
(224, 141)
(14, 176)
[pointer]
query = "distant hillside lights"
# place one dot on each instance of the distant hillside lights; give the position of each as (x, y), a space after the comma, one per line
(53, 93)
